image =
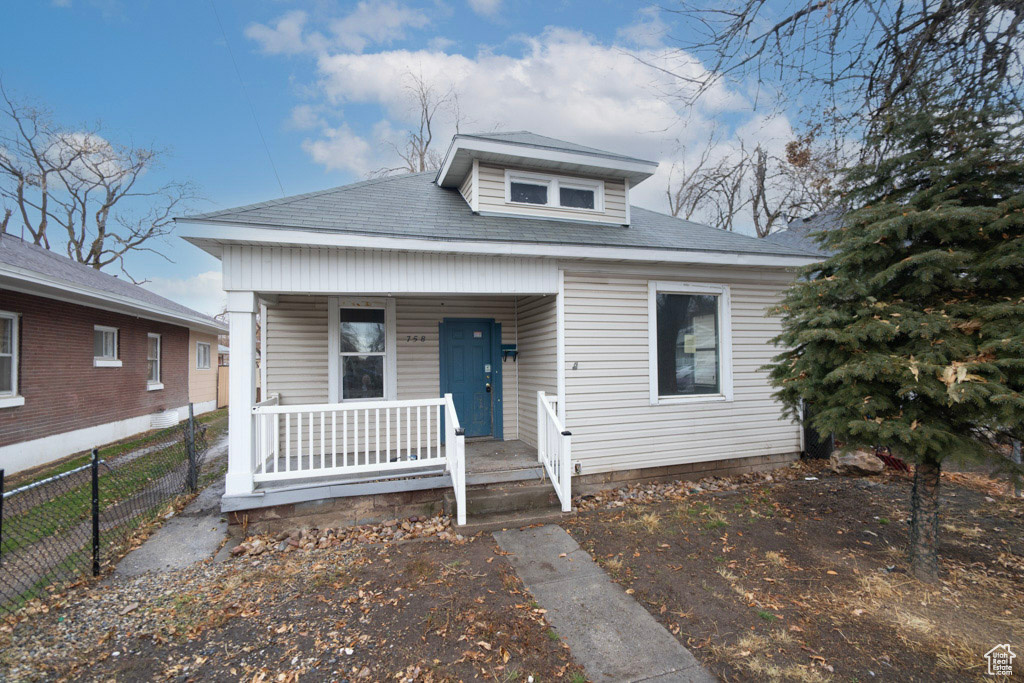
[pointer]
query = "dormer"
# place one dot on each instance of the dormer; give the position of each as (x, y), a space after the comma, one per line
(533, 176)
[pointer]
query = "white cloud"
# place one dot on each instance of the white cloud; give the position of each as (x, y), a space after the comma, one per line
(371, 22)
(305, 117)
(562, 83)
(440, 43)
(285, 37)
(487, 8)
(202, 292)
(648, 31)
(339, 149)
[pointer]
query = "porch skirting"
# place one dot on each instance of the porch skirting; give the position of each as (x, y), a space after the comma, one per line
(324, 513)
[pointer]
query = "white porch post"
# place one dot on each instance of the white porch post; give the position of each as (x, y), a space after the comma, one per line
(242, 393)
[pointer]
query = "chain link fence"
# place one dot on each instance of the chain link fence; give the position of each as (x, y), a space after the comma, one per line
(60, 529)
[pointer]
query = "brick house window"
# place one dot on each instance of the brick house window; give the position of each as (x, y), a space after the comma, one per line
(202, 356)
(8, 355)
(104, 347)
(153, 362)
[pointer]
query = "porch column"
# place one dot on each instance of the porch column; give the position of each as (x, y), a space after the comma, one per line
(242, 393)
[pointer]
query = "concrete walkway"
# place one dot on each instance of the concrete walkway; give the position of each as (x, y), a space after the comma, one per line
(611, 635)
(191, 536)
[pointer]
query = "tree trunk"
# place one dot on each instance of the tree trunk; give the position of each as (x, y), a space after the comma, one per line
(924, 521)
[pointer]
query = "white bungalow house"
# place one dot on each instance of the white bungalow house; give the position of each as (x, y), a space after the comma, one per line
(508, 317)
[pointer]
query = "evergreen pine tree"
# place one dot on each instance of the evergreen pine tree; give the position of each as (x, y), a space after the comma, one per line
(911, 335)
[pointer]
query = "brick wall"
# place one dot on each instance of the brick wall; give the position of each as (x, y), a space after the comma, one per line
(62, 389)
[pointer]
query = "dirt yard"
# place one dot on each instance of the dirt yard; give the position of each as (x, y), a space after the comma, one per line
(423, 610)
(805, 580)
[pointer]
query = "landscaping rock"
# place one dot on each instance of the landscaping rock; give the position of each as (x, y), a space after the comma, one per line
(858, 463)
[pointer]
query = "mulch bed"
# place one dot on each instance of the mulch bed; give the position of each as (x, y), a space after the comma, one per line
(422, 610)
(805, 579)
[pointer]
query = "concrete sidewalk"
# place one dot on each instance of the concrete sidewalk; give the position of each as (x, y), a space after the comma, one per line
(611, 635)
(191, 536)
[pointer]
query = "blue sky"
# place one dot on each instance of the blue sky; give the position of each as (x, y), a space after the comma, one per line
(326, 80)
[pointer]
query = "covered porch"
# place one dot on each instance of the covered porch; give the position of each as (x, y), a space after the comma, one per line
(370, 394)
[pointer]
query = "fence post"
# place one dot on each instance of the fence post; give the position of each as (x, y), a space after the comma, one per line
(192, 478)
(1, 509)
(95, 512)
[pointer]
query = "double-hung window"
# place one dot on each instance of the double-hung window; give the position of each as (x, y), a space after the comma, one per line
(202, 356)
(554, 191)
(104, 347)
(690, 342)
(153, 362)
(363, 350)
(9, 360)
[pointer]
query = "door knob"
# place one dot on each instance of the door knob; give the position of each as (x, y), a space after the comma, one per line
(488, 385)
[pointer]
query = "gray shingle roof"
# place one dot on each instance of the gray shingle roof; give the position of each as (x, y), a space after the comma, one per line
(17, 253)
(797, 234)
(525, 137)
(412, 206)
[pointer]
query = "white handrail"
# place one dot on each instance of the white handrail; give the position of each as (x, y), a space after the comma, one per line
(554, 449)
(455, 454)
(331, 439)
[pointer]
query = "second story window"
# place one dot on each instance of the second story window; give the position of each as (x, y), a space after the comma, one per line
(104, 347)
(579, 194)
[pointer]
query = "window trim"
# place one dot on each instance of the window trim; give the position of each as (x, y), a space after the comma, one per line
(10, 399)
(553, 183)
(209, 350)
(158, 384)
(654, 287)
(107, 361)
(334, 355)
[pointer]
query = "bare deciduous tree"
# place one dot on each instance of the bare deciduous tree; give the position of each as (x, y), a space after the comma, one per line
(91, 191)
(856, 56)
(416, 152)
(752, 183)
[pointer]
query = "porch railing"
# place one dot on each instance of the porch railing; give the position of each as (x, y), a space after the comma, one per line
(455, 453)
(554, 449)
(381, 437)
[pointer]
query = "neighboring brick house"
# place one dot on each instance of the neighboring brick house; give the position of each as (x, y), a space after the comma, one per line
(87, 358)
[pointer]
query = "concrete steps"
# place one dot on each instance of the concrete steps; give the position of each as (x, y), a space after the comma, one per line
(503, 499)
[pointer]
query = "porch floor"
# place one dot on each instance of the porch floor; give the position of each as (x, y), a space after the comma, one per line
(487, 461)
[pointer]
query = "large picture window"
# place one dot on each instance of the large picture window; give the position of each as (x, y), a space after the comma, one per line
(363, 347)
(690, 346)
(8, 354)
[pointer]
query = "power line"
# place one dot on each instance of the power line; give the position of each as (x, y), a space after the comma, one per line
(245, 92)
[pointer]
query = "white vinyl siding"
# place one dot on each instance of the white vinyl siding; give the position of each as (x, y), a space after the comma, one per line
(493, 199)
(608, 404)
(307, 270)
(297, 347)
(536, 361)
(466, 189)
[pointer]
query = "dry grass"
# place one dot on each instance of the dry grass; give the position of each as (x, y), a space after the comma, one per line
(650, 521)
(613, 564)
(763, 669)
(966, 532)
(775, 558)
(727, 575)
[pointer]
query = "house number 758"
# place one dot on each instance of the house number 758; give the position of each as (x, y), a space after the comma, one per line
(416, 338)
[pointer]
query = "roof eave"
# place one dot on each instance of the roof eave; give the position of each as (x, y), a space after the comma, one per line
(634, 170)
(212, 237)
(31, 282)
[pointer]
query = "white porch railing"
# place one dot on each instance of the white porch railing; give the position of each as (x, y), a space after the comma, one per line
(554, 449)
(455, 452)
(381, 437)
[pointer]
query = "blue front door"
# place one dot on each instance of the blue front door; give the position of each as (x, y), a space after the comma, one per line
(467, 372)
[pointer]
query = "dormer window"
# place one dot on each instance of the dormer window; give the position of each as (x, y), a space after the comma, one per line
(579, 194)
